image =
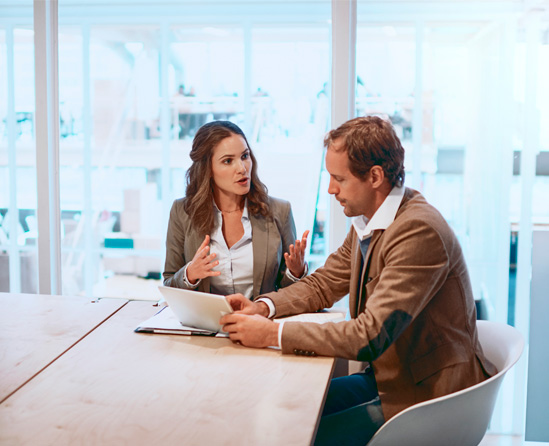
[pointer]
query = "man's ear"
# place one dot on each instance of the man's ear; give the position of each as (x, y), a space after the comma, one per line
(377, 175)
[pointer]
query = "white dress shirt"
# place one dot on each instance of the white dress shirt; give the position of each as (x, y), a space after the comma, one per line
(383, 217)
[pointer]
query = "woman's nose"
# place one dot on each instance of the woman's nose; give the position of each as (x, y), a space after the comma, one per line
(241, 166)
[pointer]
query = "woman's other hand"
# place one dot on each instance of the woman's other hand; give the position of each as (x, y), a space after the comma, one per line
(202, 264)
(295, 259)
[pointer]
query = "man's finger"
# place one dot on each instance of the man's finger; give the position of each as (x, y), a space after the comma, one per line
(236, 338)
(236, 301)
(229, 321)
(226, 322)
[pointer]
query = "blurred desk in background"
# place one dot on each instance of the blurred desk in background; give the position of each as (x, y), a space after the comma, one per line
(128, 287)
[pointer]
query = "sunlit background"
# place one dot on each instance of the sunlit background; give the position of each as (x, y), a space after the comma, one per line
(464, 83)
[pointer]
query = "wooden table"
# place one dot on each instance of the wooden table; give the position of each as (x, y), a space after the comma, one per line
(36, 329)
(119, 387)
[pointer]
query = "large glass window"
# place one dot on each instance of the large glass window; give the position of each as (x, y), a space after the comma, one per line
(18, 225)
(451, 103)
(467, 95)
(132, 96)
(290, 68)
(110, 159)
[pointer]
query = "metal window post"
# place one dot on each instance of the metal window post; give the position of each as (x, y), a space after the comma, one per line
(13, 223)
(47, 145)
(343, 94)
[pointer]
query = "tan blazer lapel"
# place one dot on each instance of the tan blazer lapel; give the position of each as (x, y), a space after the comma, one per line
(260, 237)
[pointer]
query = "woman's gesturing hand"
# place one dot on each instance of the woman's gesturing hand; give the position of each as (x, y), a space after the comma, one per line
(202, 264)
(295, 259)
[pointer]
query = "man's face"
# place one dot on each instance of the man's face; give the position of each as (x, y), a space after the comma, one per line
(355, 195)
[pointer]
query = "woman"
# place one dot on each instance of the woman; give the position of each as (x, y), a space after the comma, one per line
(227, 235)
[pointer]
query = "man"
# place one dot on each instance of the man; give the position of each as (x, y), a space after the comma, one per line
(410, 299)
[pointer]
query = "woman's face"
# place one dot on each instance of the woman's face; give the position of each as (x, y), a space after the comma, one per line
(231, 166)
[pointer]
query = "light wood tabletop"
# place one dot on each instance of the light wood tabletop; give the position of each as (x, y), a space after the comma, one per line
(120, 387)
(37, 329)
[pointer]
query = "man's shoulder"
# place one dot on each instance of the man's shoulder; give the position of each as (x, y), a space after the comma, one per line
(416, 209)
(414, 204)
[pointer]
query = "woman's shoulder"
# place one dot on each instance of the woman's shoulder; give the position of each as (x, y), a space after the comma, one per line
(178, 210)
(278, 206)
(179, 205)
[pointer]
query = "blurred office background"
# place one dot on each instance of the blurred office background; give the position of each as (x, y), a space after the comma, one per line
(464, 83)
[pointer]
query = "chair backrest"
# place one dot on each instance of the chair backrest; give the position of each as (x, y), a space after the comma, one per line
(461, 418)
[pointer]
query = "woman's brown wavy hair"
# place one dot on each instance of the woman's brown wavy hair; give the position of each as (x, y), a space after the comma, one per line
(199, 196)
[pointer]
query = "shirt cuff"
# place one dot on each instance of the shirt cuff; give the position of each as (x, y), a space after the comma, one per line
(270, 304)
(186, 279)
(280, 325)
(295, 279)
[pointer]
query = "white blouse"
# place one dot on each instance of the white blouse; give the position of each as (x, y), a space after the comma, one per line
(235, 263)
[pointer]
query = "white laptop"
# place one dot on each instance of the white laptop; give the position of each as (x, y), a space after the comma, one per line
(196, 309)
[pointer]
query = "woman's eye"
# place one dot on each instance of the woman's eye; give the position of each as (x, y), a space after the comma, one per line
(245, 156)
(227, 161)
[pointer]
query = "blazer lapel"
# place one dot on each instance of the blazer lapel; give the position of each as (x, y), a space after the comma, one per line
(260, 237)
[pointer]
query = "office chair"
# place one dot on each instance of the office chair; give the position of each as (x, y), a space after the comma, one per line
(461, 418)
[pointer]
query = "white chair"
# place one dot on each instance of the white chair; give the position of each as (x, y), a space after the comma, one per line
(461, 418)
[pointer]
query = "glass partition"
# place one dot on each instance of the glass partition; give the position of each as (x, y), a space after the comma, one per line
(18, 226)
(467, 95)
(132, 96)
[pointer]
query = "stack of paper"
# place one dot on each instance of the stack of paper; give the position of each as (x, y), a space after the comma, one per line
(166, 322)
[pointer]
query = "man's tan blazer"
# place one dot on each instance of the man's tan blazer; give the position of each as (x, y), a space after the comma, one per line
(414, 318)
(270, 239)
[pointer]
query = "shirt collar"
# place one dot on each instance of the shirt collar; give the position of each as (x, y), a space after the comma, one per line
(382, 218)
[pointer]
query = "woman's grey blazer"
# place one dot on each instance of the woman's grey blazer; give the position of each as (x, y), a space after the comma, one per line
(270, 240)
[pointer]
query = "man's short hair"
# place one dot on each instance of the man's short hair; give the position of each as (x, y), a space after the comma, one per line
(370, 141)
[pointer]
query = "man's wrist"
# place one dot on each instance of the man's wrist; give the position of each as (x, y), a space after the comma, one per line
(263, 308)
(271, 311)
